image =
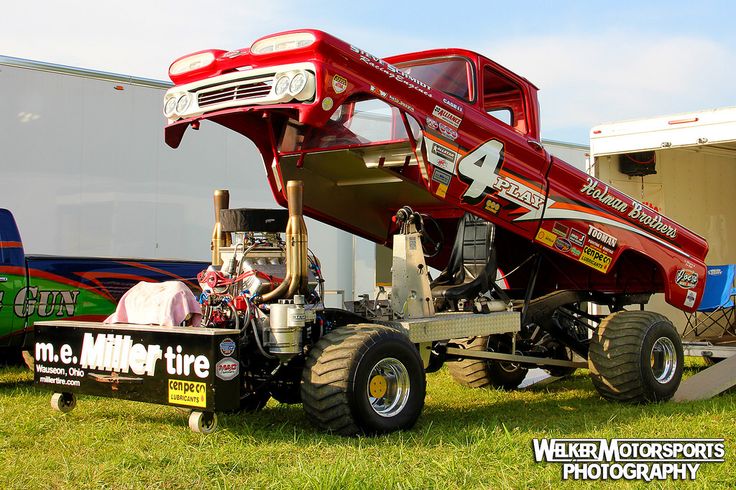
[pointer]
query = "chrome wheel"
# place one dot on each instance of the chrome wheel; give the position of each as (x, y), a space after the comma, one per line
(388, 387)
(663, 360)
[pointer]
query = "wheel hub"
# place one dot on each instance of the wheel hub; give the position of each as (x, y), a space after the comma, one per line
(378, 386)
(388, 387)
(663, 360)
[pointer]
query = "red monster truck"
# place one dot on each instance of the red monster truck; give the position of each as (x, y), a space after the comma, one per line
(437, 154)
(455, 137)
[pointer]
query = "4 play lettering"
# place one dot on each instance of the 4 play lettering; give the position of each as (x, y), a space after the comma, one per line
(479, 169)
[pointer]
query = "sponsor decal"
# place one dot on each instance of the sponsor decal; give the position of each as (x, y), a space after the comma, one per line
(634, 211)
(563, 245)
(339, 84)
(392, 72)
(392, 98)
(602, 237)
(686, 278)
(443, 152)
(479, 169)
(227, 347)
(111, 352)
(448, 132)
(432, 124)
(575, 251)
(447, 116)
(46, 303)
(442, 157)
(227, 368)
(577, 237)
(452, 104)
(327, 103)
(189, 393)
(232, 54)
(715, 272)
(441, 176)
(560, 229)
(629, 459)
(546, 237)
(595, 259)
(492, 206)
(690, 298)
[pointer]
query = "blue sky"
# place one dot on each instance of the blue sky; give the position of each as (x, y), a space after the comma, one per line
(593, 61)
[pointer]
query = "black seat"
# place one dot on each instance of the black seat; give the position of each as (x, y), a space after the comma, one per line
(471, 269)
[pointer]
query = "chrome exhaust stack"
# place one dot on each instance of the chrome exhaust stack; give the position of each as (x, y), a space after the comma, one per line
(296, 278)
(219, 238)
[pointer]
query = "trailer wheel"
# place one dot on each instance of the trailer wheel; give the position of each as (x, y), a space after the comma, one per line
(477, 373)
(202, 422)
(363, 379)
(636, 357)
(63, 402)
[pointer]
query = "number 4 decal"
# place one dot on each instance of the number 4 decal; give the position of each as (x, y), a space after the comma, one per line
(478, 168)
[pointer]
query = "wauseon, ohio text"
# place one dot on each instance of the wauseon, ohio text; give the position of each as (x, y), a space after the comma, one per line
(629, 459)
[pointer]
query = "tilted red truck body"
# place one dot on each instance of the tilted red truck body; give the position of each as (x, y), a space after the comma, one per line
(439, 148)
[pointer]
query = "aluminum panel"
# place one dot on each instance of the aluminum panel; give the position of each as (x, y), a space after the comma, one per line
(457, 325)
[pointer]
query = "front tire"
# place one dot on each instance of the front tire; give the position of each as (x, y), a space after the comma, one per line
(636, 357)
(363, 379)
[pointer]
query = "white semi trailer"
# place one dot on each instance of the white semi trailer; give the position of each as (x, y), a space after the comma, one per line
(86, 172)
(684, 165)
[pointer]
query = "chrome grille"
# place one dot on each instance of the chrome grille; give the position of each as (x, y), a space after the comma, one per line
(249, 89)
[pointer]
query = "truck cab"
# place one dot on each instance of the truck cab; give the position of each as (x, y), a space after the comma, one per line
(477, 80)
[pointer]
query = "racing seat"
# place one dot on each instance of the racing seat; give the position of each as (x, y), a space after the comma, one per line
(717, 307)
(472, 268)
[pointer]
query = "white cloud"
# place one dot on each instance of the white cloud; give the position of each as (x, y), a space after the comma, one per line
(589, 79)
(585, 78)
(135, 37)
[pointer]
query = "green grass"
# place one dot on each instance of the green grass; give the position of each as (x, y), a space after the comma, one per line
(464, 439)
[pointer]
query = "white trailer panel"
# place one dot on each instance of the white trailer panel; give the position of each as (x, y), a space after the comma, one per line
(86, 171)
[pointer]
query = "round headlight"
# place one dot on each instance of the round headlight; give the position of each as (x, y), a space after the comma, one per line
(169, 106)
(297, 83)
(182, 103)
(283, 42)
(191, 63)
(282, 85)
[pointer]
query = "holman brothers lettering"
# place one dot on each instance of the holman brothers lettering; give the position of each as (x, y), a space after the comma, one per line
(636, 213)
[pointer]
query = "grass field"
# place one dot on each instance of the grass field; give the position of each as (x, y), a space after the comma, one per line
(464, 439)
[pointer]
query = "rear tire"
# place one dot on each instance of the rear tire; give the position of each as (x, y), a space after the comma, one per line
(476, 373)
(253, 402)
(287, 393)
(363, 379)
(636, 357)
